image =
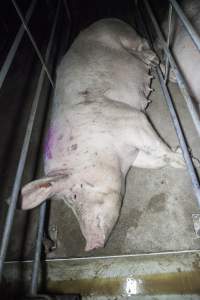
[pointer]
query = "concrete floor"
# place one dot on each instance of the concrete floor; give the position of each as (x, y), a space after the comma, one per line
(148, 276)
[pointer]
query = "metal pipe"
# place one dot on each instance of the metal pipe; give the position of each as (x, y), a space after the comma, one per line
(38, 248)
(181, 138)
(15, 45)
(74, 259)
(67, 11)
(181, 82)
(33, 42)
(168, 43)
(188, 26)
(66, 6)
(178, 129)
(22, 159)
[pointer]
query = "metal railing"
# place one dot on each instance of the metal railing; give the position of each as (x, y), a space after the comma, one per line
(187, 24)
(180, 80)
(27, 138)
(15, 45)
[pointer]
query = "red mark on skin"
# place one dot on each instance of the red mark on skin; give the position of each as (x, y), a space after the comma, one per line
(45, 185)
(49, 143)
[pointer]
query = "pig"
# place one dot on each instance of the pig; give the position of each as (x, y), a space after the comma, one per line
(184, 50)
(98, 128)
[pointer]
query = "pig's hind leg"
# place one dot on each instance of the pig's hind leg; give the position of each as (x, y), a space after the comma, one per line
(140, 50)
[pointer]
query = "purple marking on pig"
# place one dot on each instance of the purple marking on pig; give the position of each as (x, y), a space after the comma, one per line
(49, 143)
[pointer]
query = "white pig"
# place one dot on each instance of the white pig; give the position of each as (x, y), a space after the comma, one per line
(98, 128)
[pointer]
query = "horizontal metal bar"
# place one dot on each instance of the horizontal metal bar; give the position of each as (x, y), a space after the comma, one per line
(181, 138)
(103, 257)
(188, 26)
(38, 248)
(15, 45)
(181, 82)
(33, 41)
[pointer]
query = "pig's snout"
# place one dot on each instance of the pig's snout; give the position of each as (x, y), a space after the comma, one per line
(98, 220)
(94, 242)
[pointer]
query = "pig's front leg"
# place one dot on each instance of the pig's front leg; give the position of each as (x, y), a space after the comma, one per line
(148, 161)
(153, 152)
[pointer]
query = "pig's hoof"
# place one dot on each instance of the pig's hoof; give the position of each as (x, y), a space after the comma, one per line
(150, 58)
(196, 162)
(171, 75)
(177, 160)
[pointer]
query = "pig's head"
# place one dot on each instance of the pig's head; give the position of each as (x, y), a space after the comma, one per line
(97, 215)
(96, 209)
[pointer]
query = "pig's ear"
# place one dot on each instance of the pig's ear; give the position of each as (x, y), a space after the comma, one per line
(36, 192)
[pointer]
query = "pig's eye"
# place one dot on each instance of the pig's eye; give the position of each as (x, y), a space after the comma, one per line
(75, 196)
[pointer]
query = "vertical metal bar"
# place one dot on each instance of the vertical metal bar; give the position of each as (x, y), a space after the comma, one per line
(181, 138)
(38, 249)
(66, 6)
(168, 43)
(33, 41)
(15, 45)
(181, 82)
(177, 126)
(190, 29)
(22, 159)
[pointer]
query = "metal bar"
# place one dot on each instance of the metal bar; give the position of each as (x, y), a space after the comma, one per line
(72, 259)
(33, 41)
(15, 45)
(22, 159)
(188, 26)
(181, 82)
(38, 248)
(178, 129)
(168, 43)
(66, 6)
(181, 138)
(67, 11)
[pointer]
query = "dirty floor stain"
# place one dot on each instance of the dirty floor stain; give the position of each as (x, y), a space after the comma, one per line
(170, 283)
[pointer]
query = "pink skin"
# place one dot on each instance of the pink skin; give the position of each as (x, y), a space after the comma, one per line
(49, 143)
